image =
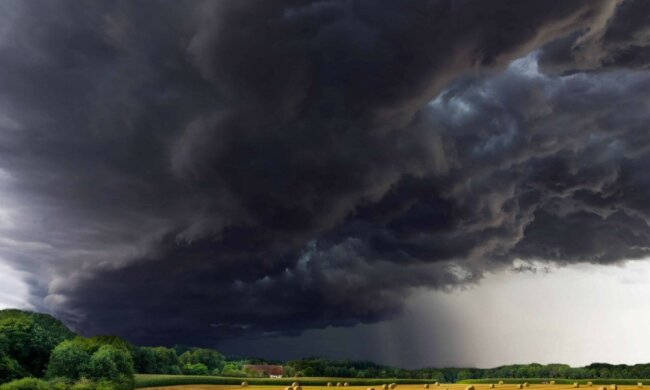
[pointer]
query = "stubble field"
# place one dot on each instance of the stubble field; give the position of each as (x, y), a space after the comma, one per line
(453, 386)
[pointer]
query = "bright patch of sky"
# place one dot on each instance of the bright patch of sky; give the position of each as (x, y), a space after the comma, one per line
(13, 290)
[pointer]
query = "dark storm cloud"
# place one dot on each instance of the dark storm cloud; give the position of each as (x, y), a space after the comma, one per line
(622, 40)
(181, 169)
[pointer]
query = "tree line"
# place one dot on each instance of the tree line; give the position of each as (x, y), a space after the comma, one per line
(320, 367)
(39, 352)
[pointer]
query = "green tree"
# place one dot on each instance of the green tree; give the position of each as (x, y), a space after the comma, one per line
(157, 360)
(69, 359)
(29, 338)
(235, 370)
(110, 362)
(195, 369)
(102, 365)
(212, 359)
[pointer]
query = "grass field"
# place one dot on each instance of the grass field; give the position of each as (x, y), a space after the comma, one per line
(453, 386)
(185, 382)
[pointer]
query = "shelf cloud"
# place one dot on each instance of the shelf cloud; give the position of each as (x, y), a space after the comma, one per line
(186, 172)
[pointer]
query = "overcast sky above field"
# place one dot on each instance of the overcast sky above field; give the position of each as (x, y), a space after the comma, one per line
(367, 179)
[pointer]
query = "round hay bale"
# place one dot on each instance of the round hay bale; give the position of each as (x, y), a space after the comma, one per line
(590, 383)
(437, 383)
(371, 388)
(500, 382)
(346, 384)
(297, 388)
(470, 387)
(393, 385)
(329, 384)
(244, 384)
(426, 385)
(339, 384)
(384, 386)
(602, 388)
(519, 386)
(576, 384)
(639, 384)
(552, 382)
(526, 384)
(491, 386)
(294, 384)
(613, 387)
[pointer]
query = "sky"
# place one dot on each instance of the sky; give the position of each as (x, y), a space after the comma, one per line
(431, 182)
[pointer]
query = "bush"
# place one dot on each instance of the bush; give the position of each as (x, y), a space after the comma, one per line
(10, 369)
(119, 384)
(195, 369)
(83, 384)
(105, 385)
(59, 384)
(26, 384)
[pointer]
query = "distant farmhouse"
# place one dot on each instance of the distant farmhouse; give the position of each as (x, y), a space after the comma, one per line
(273, 371)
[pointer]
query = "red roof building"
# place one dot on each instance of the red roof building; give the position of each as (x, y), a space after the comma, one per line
(265, 369)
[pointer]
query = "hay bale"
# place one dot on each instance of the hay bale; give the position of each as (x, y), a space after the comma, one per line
(297, 388)
(244, 384)
(329, 384)
(552, 382)
(491, 385)
(519, 386)
(437, 384)
(576, 384)
(639, 384)
(384, 386)
(339, 384)
(526, 384)
(589, 383)
(393, 385)
(346, 384)
(470, 387)
(426, 385)
(613, 387)
(294, 384)
(500, 382)
(371, 388)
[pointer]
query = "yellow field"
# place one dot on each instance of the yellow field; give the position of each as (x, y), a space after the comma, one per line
(399, 387)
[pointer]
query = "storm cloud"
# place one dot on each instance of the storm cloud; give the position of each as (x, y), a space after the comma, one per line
(188, 172)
